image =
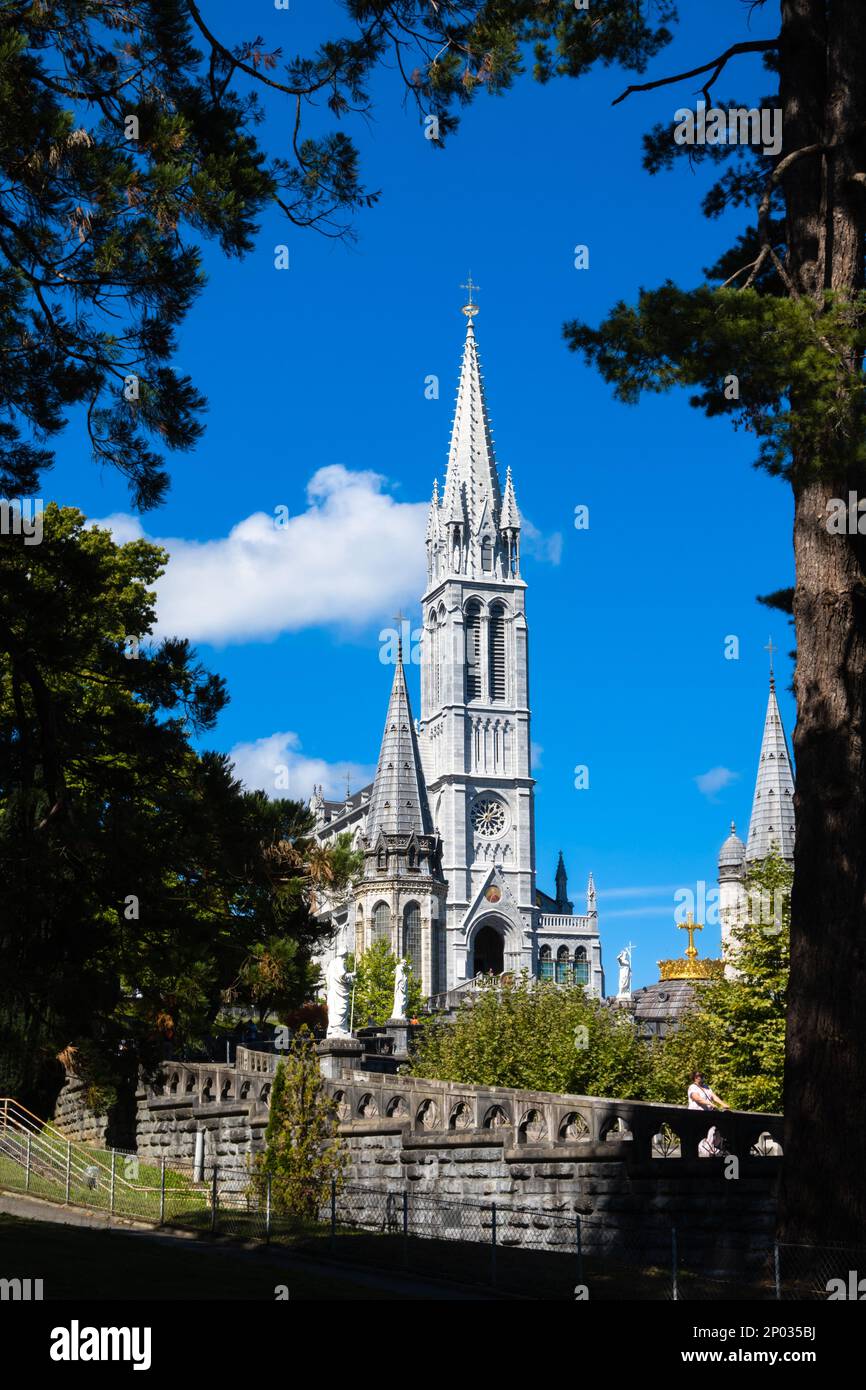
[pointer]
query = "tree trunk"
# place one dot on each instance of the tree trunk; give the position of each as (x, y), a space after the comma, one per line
(823, 1199)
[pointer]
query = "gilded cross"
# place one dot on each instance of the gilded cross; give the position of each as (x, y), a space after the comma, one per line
(771, 648)
(691, 927)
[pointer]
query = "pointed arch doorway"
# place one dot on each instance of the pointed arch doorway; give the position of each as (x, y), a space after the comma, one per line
(488, 953)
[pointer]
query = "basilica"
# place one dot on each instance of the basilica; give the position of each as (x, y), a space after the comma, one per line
(447, 827)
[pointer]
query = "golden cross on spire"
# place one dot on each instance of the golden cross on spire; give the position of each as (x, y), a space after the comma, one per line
(691, 927)
(470, 309)
(770, 648)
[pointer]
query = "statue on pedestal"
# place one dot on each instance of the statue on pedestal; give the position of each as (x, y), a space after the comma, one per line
(623, 960)
(339, 981)
(401, 990)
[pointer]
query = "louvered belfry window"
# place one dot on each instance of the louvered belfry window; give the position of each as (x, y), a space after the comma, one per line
(497, 653)
(473, 651)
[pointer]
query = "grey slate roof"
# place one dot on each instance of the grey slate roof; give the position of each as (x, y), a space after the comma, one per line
(398, 801)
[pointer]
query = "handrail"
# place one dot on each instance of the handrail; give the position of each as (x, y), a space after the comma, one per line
(49, 1139)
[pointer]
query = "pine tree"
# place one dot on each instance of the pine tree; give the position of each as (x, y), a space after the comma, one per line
(303, 1154)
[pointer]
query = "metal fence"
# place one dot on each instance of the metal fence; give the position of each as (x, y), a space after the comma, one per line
(491, 1243)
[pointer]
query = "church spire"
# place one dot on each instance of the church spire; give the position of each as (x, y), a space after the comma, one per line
(772, 822)
(472, 475)
(398, 801)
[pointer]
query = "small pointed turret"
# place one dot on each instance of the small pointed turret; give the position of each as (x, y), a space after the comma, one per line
(510, 519)
(562, 903)
(591, 904)
(398, 801)
(772, 822)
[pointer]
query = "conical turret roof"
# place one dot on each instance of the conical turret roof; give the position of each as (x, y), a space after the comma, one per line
(398, 801)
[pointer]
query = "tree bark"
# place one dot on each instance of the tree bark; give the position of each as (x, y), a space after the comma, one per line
(823, 1197)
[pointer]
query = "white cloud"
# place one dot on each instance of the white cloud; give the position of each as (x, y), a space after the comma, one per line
(276, 765)
(539, 546)
(708, 783)
(353, 555)
(536, 752)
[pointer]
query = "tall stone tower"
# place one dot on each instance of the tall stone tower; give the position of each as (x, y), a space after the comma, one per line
(771, 826)
(474, 727)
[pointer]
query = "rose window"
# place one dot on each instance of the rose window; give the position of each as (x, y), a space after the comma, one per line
(488, 818)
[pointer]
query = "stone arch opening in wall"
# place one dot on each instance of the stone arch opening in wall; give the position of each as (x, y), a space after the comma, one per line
(367, 1107)
(174, 1083)
(666, 1143)
(427, 1115)
(573, 1128)
(614, 1130)
(226, 1089)
(461, 1116)
(532, 1128)
(488, 949)
(496, 1117)
(410, 947)
(545, 963)
(265, 1093)
(359, 931)
(381, 923)
(397, 1108)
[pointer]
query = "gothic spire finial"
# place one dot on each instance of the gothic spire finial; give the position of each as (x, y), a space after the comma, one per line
(470, 309)
(771, 648)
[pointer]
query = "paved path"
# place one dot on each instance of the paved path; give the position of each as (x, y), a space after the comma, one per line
(402, 1285)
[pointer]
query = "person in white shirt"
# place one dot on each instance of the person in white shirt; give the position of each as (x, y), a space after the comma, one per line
(701, 1097)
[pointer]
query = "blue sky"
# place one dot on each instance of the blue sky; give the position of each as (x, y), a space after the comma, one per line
(318, 372)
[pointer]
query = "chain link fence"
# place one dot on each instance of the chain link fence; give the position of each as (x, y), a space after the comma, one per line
(520, 1250)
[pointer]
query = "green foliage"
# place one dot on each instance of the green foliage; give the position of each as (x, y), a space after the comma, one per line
(538, 1036)
(374, 986)
(141, 883)
(303, 1154)
(736, 1033)
(797, 392)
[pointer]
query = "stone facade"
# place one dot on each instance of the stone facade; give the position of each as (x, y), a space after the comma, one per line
(462, 781)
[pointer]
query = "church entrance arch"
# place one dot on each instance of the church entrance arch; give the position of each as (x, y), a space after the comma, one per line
(488, 950)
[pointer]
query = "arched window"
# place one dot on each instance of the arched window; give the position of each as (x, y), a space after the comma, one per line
(412, 937)
(382, 923)
(562, 963)
(581, 967)
(359, 931)
(545, 964)
(473, 651)
(381, 859)
(496, 643)
(487, 554)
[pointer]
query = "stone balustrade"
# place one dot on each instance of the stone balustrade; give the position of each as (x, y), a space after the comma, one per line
(533, 1120)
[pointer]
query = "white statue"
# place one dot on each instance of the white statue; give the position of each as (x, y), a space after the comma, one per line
(339, 983)
(623, 960)
(401, 990)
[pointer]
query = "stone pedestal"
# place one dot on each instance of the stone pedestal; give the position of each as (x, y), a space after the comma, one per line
(338, 1055)
(398, 1030)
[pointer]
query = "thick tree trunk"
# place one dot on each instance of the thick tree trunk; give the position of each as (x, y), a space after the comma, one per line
(823, 92)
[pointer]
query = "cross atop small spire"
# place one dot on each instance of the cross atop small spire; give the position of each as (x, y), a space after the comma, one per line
(771, 648)
(470, 309)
